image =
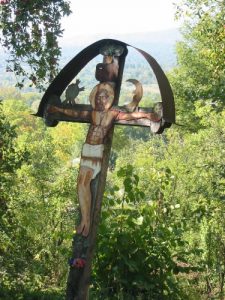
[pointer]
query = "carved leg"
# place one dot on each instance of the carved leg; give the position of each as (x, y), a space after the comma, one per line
(84, 196)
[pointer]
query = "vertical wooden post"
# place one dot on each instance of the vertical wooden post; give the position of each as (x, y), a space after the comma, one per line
(79, 280)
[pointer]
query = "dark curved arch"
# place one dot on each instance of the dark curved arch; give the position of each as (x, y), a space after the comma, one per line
(71, 70)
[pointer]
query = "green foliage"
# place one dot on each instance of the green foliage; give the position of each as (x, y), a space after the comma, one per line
(37, 227)
(149, 249)
(162, 230)
(10, 157)
(30, 32)
(200, 72)
(198, 83)
(184, 174)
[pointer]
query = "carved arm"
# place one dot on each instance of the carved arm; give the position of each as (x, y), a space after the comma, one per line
(69, 112)
(138, 115)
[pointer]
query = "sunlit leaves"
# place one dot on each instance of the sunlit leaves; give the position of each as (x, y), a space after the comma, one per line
(37, 228)
(136, 249)
(200, 73)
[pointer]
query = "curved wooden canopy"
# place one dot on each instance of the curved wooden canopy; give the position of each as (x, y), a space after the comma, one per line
(72, 69)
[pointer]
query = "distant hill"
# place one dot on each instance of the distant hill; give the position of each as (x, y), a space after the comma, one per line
(160, 44)
(163, 36)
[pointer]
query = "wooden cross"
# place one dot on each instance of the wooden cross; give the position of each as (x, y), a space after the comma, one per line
(102, 113)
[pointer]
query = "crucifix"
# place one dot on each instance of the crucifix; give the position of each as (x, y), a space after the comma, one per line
(102, 114)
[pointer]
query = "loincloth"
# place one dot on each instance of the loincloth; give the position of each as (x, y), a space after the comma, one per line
(91, 157)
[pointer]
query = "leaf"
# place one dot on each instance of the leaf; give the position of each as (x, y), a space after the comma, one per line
(139, 221)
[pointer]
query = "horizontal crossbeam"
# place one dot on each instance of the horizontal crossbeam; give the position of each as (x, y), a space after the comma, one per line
(60, 117)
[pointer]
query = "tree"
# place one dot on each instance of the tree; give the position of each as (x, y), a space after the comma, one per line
(182, 176)
(10, 158)
(148, 238)
(198, 83)
(200, 71)
(30, 32)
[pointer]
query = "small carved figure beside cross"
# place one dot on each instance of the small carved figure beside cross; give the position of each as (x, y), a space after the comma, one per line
(101, 118)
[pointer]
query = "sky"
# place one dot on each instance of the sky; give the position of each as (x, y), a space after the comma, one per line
(100, 17)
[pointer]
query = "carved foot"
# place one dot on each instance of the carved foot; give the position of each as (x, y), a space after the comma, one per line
(83, 228)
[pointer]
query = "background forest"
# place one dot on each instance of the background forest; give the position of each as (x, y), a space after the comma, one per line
(162, 231)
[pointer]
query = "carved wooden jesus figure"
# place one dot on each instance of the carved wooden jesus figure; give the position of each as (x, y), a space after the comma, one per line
(101, 118)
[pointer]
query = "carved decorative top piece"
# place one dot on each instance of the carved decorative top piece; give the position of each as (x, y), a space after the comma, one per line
(107, 71)
(111, 50)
